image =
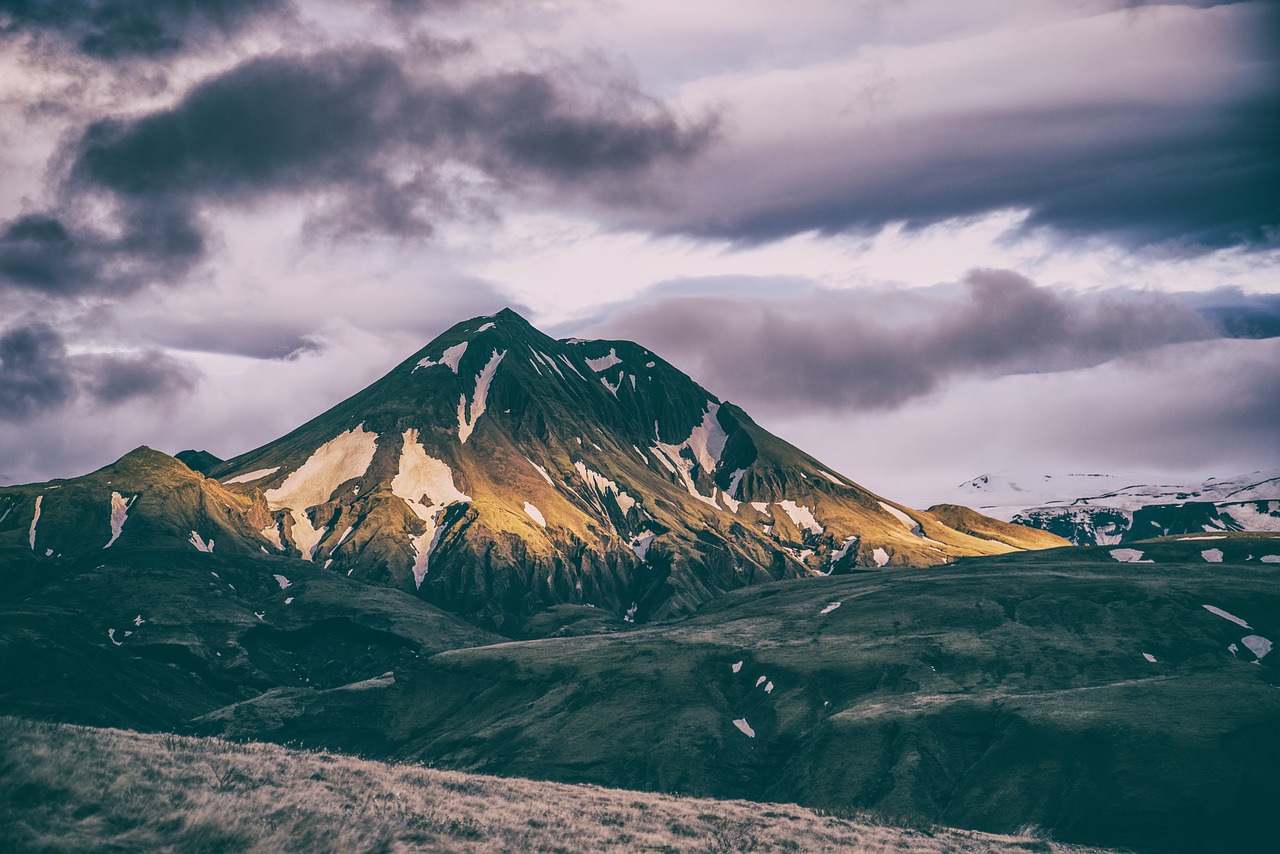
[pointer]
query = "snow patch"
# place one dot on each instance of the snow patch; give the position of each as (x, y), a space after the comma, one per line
(259, 474)
(305, 535)
(602, 486)
(768, 687)
(111, 633)
(343, 538)
(831, 606)
(736, 666)
(1258, 645)
(345, 457)
(119, 513)
(271, 533)
(880, 556)
(198, 541)
(289, 601)
(829, 476)
(1149, 657)
(630, 616)
(479, 400)
(640, 544)
(1129, 556)
(839, 554)
(744, 727)
(1226, 616)
(34, 520)
(137, 621)
(613, 389)
(1212, 555)
(426, 485)
(761, 681)
(450, 358)
(735, 480)
(488, 325)
(565, 359)
(907, 522)
(761, 507)
(604, 363)
(282, 581)
(1270, 558)
(802, 516)
(542, 471)
(535, 514)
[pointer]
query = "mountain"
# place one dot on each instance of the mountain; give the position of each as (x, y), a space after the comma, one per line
(201, 461)
(499, 472)
(547, 558)
(1106, 509)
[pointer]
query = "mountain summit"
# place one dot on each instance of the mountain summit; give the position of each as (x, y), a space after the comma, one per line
(499, 472)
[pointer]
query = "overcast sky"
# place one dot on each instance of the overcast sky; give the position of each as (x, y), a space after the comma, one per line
(921, 239)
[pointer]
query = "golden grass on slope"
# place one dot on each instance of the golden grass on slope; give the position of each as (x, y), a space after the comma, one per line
(66, 788)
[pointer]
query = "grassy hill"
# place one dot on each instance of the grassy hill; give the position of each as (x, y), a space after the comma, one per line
(1092, 696)
(77, 789)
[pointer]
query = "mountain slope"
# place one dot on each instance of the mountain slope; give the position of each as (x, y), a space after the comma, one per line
(189, 794)
(1071, 689)
(499, 471)
(975, 524)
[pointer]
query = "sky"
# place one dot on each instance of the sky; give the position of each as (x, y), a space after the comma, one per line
(923, 240)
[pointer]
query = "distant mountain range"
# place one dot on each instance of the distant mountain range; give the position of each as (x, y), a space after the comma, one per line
(1107, 509)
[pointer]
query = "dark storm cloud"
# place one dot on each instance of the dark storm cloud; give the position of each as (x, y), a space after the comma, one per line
(1202, 177)
(34, 373)
(351, 125)
(1160, 153)
(846, 350)
(38, 375)
(108, 29)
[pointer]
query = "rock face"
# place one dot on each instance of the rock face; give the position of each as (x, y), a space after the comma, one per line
(499, 472)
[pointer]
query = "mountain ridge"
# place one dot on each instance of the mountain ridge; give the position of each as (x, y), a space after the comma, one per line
(498, 472)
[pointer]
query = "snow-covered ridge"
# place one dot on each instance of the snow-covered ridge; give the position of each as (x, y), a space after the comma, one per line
(35, 520)
(426, 485)
(705, 444)
(604, 363)
(801, 516)
(449, 358)
(345, 457)
(603, 486)
(468, 416)
(119, 513)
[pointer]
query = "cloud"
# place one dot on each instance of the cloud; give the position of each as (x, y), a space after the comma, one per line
(111, 29)
(845, 351)
(39, 376)
(1186, 412)
(1163, 136)
(34, 373)
(349, 130)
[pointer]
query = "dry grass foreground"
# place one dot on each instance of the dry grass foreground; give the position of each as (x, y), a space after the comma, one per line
(70, 788)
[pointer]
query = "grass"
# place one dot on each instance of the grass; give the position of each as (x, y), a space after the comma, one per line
(67, 788)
